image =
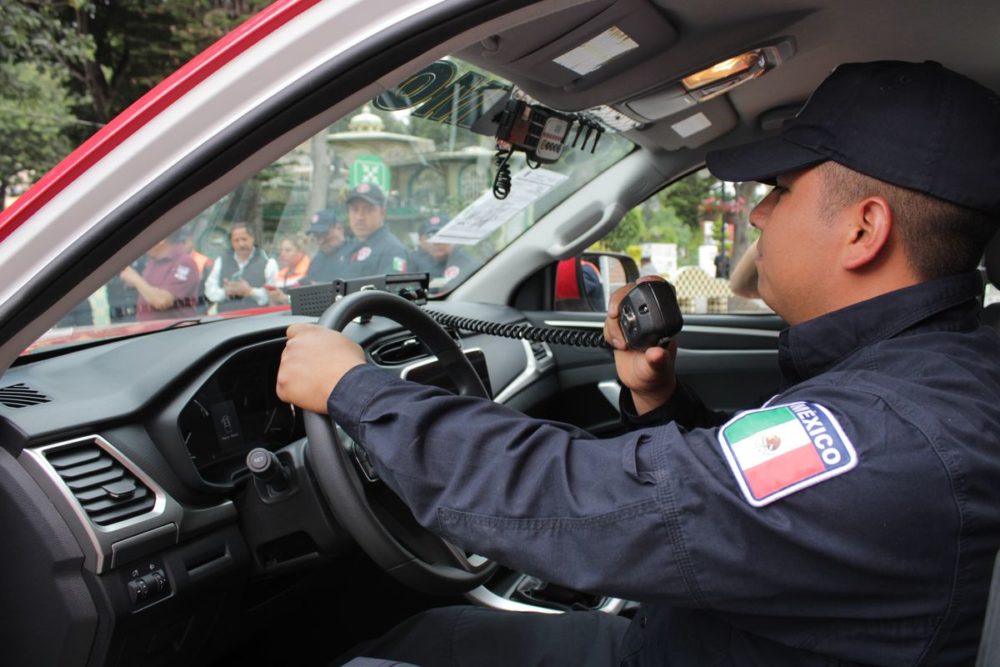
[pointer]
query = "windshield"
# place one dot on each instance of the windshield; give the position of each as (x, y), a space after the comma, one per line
(404, 184)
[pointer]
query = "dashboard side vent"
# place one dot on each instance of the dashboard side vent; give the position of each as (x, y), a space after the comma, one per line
(21, 395)
(106, 490)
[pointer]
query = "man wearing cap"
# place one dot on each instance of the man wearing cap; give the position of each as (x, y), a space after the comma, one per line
(445, 264)
(375, 250)
(853, 518)
(330, 261)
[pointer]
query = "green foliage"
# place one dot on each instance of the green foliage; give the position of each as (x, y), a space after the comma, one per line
(630, 231)
(685, 197)
(34, 111)
(135, 44)
(69, 66)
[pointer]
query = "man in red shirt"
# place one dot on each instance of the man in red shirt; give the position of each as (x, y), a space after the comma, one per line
(168, 286)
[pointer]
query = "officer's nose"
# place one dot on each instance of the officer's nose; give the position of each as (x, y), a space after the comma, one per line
(760, 213)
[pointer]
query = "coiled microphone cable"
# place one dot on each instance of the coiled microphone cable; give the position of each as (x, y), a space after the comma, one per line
(502, 181)
(523, 331)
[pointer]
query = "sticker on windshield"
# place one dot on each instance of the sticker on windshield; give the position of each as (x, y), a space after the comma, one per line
(779, 450)
(488, 213)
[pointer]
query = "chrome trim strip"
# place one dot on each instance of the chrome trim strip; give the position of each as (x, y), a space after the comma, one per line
(733, 331)
(530, 373)
(690, 328)
(575, 324)
(99, 539)
(611, 390)
(723, 353)
(430, 360)
(484, 597)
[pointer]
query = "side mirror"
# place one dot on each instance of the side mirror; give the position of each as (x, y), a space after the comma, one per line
(586, 282)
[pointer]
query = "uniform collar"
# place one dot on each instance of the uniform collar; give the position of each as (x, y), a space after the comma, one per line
(815, 346)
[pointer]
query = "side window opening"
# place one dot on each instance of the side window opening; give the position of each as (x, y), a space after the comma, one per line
(693, 233)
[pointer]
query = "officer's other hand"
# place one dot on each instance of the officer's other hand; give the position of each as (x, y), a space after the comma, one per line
(313, 362)
(649, 374)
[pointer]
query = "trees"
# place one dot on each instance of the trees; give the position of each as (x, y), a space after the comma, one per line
(69, 66)
(34, 102)
(34, 112)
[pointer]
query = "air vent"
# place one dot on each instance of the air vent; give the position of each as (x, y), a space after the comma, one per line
(105, 489)
(398, 352)
(402, 350)
(21, 395)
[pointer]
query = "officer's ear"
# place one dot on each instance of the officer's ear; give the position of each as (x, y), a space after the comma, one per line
(868, 227)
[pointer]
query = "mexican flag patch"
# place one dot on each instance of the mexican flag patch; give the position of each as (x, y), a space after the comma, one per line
(782, 449)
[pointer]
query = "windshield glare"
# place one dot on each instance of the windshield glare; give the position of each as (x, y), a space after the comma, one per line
(402, 184)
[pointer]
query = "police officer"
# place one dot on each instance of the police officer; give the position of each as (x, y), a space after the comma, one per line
(330, 261)
(445, 264)
(375, 250)
(853, 518)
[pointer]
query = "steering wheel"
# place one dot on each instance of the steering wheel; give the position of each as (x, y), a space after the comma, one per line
(377, 519)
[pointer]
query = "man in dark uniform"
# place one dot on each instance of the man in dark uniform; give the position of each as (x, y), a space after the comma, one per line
(330, 261)
(446, 265)
(851, 519)
(375, 250)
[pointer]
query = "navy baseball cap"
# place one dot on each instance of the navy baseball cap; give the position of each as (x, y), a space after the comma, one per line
(433, 225)
(322, 221)
(916, 125)
(370, 193)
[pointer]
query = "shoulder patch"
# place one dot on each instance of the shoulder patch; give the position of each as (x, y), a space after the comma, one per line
(778, 450)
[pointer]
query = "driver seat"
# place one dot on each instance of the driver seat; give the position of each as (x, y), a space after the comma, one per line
(991, 260)
(989, 642)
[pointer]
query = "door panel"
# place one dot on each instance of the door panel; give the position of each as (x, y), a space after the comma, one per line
(730, 361)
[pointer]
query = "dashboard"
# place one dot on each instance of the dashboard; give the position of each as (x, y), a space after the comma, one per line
(135, 457)
(235, 411)
(125, 483)
(178, 411)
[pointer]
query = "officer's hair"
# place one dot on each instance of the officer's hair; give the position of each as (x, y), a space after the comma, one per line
(938, 237)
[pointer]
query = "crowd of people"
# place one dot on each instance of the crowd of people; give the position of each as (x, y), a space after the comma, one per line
(174, 280)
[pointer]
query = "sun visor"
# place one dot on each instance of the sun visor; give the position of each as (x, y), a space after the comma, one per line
(694, 128)
(615, 39)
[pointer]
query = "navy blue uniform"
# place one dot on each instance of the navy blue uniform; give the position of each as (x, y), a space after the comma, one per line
(885, 563)
(445, 273)
(378, 254)
(325, 267)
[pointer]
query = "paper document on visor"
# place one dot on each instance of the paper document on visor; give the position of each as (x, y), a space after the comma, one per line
(488, 213)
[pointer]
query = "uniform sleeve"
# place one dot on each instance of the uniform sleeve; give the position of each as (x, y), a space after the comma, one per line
(684, 407)
(657, 514)
(513, 488)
